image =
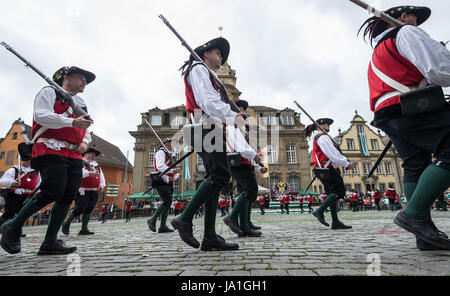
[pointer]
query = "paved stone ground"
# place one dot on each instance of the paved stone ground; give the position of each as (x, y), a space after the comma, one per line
(291, 245)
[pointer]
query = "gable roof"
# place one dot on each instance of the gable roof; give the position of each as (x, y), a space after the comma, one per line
(110, 154)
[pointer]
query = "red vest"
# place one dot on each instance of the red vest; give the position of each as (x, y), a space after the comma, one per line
(390, 194)
(191, 105)
(320, 155)
(91, 182)
(25, 184)
(167, 161)
(261, 201)
(389, 61)
(72, 135)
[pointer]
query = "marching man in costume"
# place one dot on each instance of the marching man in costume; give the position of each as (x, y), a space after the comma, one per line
(326, 155)
(93, 182)
(406, 58)
(60, 139)
(244, 175)
(201, 95)
(161, 161)
(20, 187)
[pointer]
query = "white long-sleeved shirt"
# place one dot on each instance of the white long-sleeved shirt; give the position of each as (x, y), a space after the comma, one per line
(85, 174)
(160, 160)
(237, 142)
(45, 115)
(206, 97)
(328, 148)
(429, 56)
(9, 177)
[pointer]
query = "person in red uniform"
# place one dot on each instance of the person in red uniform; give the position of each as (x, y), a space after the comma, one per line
(262, 203)
(60, 139)
(281, 200)
(354, 201)
(391, 195)
(93, 182)
(310, 201)
(405, 59)
(301, 201)
(326, 156)
(286, 201)
(377, 198)
(127, 210)
(20, 187)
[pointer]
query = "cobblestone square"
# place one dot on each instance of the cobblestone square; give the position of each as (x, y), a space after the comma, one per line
(291, 245)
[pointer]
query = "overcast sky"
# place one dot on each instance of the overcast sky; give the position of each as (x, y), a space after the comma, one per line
(281, 51)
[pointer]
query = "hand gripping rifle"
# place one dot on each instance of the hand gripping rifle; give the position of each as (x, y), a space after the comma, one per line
(66, 97)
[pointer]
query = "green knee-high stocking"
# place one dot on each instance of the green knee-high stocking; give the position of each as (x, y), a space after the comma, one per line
(26, 212)
(409, 189)
(333, 212)
(210, 217)
(432, 182)
(205, 191)
(164, 215)
(84, 221)
(239, 206)
(331, 199)
(243, 217)
(70, 218)
(158, 212)
(249, 212)
(57, 216)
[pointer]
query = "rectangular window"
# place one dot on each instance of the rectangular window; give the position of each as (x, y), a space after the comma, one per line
(348, 187)
(379, 169)
(355, 170)
(288, 119)
(388, 167)
(176, 186)
(274, 180)
(291, 154)
(346, 172)
(2, 155)
(156, 120)
(14, 136)
(320, 189)
(350, 144)
(374, 143)
(176, 121)
(151, 155)
(360, 129)
(272, 153)
(367, 168)
(200, 166)
(382, 187)
(294, 183)
(315, 188)
(358, 187)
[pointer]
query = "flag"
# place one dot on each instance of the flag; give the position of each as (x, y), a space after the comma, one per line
(112, 190)
(186, 174)
(362, 139)
(265, 161)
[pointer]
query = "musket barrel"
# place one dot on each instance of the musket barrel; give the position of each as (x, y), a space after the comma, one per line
(387, 18)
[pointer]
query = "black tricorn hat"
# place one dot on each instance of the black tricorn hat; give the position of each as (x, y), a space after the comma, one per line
(92, 150)
(58, 77)
(312, 127)
(220, 43)
(325, 120)
(242, 103)
(25, 151)
(376, 26)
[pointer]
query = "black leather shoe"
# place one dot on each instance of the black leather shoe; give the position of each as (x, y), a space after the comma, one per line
(10, 241)
(217, 244)
(233, 224)
(250, 233)
(151, 225)
(185, 231)
(435, 228)
(320, 217)
(56, 248)
(85, 232)
(424, 246)
(339, 225)
(65, 228)
(423, 230)
(164, 229)
(254, 227)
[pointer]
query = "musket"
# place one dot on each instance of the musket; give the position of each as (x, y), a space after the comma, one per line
(66, 97)
(386, 149)
(218, 82)
(383, 16)
(171, 154)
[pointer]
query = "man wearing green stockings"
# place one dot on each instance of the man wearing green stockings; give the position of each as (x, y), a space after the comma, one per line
(203, 100)
(407, 59)
(326, 156)
(239, 218)
(93, 182)
(60, 139)
(161, 161)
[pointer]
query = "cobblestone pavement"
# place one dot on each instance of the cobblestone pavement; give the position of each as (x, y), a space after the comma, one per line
(291, 245)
